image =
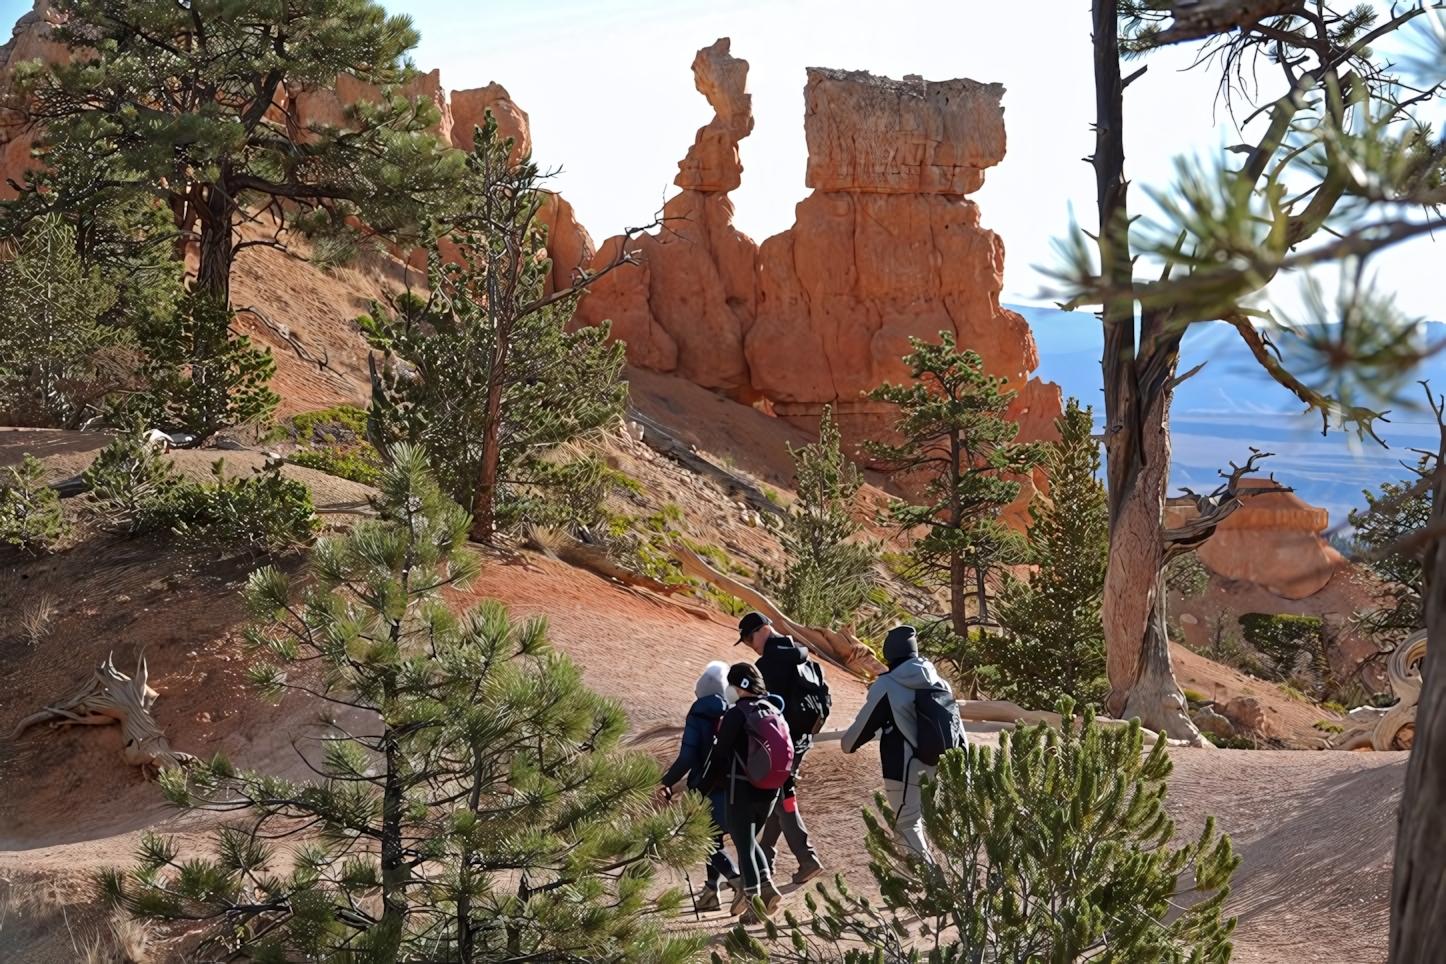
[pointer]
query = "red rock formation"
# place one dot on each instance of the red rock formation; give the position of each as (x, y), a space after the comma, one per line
(1272, 540)
(30, 40)
(687, 306)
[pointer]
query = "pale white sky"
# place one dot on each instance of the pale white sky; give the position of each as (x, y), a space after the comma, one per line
(611, 98)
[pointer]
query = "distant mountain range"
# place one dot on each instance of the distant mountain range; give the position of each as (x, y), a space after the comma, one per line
(1233, 404)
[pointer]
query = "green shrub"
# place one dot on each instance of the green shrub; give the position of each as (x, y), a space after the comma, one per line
(1282, 637)
(1194, 696)
(1232, 742)
(1054, 847)
(30, 514)
(358, 464)
(265, 513)
(132, 486)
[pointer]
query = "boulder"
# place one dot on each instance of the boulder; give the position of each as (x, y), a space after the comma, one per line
(1248, 713)
(1209, 721)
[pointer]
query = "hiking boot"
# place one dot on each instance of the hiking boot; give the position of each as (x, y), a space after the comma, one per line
(808, 868)
(771, 897)
(742, 900)
(709, 900)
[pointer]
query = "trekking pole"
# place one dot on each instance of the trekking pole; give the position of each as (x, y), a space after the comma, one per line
(696, 916)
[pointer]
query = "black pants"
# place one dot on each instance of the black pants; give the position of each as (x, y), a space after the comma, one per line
(719, 863)
(747, 812)
(787, 819)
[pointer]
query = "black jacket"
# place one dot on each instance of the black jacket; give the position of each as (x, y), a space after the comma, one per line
(779, 665)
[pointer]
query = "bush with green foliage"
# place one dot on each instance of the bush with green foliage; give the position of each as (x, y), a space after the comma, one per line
(483, 374)
(30, 515)
(1053, 644)
(958, 446)
(486, 812)
(1400, 571)
(1054, 847)
(51, 335)
(1285, 639)
(136, 490)
(1187, 575)
(830, 571)
(332, 440)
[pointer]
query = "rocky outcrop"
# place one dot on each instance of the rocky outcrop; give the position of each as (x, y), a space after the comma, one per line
(886, 247)
(1272, 540)
(687, 305)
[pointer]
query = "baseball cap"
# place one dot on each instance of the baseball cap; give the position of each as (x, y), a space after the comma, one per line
(750, 624)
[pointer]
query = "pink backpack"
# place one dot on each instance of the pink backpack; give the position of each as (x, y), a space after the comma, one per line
(770, 749)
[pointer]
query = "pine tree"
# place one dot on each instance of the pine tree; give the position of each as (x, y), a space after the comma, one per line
(1391, 514)
(195, 105)
(30, 515)
(472, 802)
(828, 576)
(483, 374)
(50, 329)
(1054, 644)
(1053, 847)
(958, 442)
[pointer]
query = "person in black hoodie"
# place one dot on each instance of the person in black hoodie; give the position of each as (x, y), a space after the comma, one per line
(779, 658)
(747, 807)
(889, 710)
(703, 720)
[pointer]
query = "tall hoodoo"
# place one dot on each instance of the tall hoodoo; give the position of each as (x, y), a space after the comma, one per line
(687, 306)
(886, 247)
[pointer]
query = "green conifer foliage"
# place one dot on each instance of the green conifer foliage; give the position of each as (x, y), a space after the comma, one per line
(959, 443)
(50, 330)
(471, 803)
(1054, 644)
(483, 374)
(829, 576)
(30, 515)
(1055, 847)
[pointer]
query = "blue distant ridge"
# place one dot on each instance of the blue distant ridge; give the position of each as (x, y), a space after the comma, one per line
(1232, 404)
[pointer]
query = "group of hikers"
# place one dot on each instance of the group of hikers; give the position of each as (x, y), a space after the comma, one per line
(751, 726)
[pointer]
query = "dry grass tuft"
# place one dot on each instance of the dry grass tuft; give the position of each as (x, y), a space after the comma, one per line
(36, 617)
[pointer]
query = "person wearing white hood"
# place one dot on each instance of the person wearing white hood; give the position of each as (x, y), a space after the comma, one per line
(699, 732)
(890, 711)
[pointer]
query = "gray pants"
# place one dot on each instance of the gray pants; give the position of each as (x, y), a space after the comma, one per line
(787, 820)
(903, 798)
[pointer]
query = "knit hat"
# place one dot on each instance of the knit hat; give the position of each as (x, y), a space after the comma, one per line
(745, 678)
(751, 624)
(902, 643)
(713, 681)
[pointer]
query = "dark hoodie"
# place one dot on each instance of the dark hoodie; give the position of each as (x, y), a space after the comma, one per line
(890, 709)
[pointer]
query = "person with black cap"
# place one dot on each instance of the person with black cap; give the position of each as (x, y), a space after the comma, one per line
(890, 711)
(747, 806)
(780, 660)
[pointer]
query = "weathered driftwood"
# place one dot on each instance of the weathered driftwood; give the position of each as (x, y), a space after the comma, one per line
(558, 545)
(841, 649)
(110, 696)
(1396, 727)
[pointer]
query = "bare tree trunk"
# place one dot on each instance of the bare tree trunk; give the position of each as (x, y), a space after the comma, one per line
(213, 272)
(484, 500)
(983, 598)
(958, 596)
(1137, 434)
(1418, 885)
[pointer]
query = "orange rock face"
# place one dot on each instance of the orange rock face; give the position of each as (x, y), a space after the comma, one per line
(1272, 540)
(686, 307)
(885, 248)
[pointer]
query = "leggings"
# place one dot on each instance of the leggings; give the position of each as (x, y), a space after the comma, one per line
(747, 811)
(719, 863)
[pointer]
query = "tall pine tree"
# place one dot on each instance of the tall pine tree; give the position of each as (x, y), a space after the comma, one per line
(958, 442)
(829, 573)
(471, 801)
(1053, 644)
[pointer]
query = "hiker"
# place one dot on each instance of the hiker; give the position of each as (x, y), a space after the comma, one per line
(704, 717)
(914, 710)
(789, 673)
(753, 757)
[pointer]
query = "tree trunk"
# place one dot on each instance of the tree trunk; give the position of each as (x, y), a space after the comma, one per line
(394, 870)
(484, 500)
(983, 598)
(958, 596)
(213, 272)
(1137, 431)
(1418, 885)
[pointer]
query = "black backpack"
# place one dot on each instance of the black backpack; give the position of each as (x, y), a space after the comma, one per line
(939, 726)
(808, 710)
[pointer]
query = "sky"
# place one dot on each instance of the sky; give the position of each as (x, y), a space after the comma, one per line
(609, 90)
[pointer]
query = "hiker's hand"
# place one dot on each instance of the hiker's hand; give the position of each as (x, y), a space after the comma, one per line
(664, 795)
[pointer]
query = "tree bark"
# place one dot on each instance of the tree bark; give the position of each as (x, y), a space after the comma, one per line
(1418, 885)
(1138, 392)
(213, 271)
(484, 500)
